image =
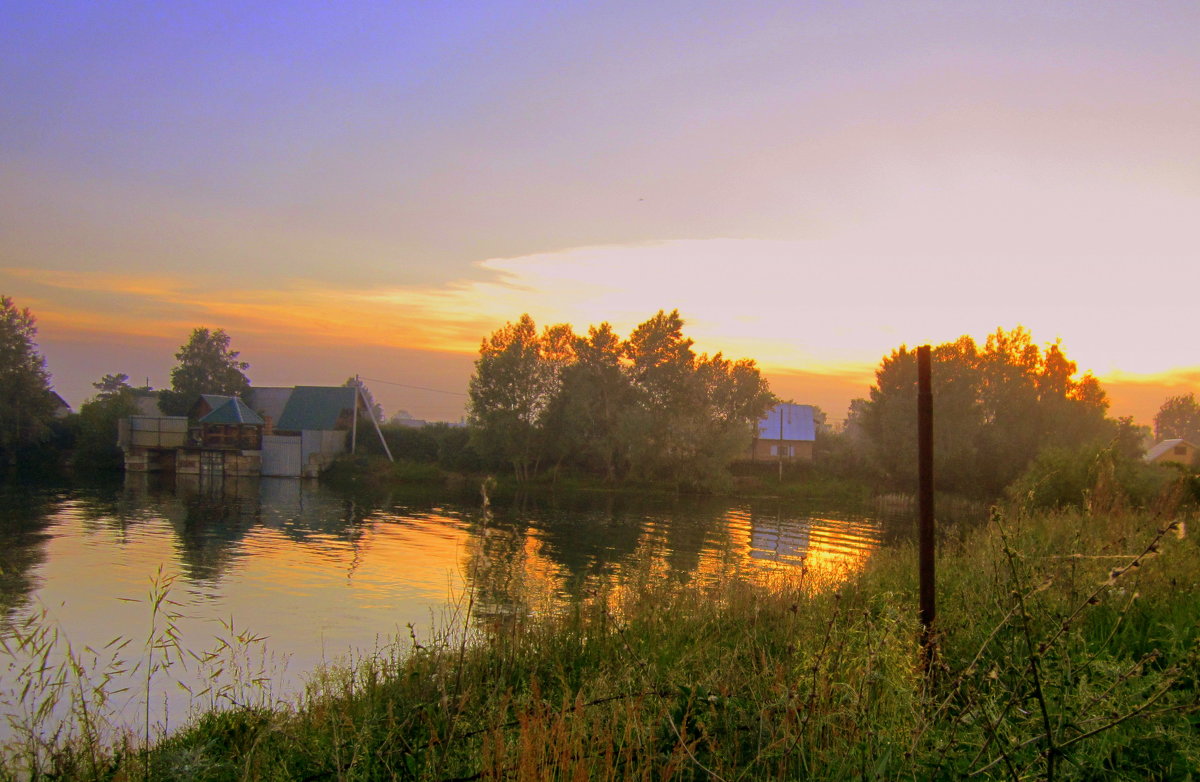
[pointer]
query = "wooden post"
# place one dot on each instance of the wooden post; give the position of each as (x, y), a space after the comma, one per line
(928, 610)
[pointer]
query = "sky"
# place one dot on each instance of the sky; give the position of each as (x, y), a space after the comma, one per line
(371, 188)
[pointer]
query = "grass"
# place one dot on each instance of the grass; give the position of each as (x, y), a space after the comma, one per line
(1066, 649)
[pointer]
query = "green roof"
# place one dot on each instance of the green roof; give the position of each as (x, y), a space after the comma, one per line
(315, 408)
(214, 400)
(234, 411)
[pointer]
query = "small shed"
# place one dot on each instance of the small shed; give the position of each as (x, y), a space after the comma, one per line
(232, 425)
(1176, 450)
(788, 431)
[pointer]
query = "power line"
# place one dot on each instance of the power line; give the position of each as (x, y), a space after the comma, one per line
(419, 388)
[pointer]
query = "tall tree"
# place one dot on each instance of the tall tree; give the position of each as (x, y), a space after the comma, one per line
(1179, 416)
(661, 370)
(26, 404)
(205, 365)
(595, 390)
(508, 395)
(995, 408)
(96, 445)
(688, 416)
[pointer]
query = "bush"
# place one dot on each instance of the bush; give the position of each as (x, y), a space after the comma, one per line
(1079, 477)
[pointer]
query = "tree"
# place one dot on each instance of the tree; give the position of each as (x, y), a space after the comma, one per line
(508, 395)
(655, 426)
(26, 404)
(595, 390)
(1179, 416)
(206, 366)
(96, 444)
(995, 408)
(647, 406)
(112, 385)
(368, 398)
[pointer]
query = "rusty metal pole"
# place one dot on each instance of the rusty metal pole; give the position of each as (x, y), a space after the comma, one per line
(925, 498)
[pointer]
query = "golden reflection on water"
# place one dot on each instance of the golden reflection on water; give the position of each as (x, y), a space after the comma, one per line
(323, 575)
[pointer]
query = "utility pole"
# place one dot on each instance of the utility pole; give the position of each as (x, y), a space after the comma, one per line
(354, 425)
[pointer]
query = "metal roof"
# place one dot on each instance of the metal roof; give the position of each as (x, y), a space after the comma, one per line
(796, 420)
(269, 401)
(233, 411)
(1163, 447)
(215, 400)
(147, 403)
(315, 408)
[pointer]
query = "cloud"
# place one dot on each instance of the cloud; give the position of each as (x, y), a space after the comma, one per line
(825, 310)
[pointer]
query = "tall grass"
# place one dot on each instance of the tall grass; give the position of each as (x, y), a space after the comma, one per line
(1066, 649)
(70, 711)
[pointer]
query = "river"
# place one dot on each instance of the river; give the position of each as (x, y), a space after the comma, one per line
(276, 577)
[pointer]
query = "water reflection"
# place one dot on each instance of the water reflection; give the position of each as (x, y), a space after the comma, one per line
(22, 542)
(218, 529)
(322, 573)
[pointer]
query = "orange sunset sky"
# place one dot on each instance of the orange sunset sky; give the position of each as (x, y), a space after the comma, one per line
(371, 188)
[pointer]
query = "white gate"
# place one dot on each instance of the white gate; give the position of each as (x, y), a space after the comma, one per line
(281, 456)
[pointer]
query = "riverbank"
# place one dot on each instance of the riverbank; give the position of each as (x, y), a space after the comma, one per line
(748, 481)
(1067, 647)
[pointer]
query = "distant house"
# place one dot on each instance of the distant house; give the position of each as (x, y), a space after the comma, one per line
(404, 418)
(225, 440)
(1178, 450)
(61, 408)
(269, 402)
(147, 402)
(284, 432)
(788, 431)
(312, 429)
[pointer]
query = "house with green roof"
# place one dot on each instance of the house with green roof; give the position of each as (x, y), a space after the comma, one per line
(275, 431)
(313, 428)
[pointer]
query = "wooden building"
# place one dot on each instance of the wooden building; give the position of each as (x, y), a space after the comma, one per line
(1177, 450)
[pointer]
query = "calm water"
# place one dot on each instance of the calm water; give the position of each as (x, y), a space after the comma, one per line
(322, 576)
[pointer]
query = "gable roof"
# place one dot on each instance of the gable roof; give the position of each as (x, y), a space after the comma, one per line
(797, 423)
(1163, 447)
(233, 411)
(315, 408)
(269, 401)
(147, 402)
(212, 400)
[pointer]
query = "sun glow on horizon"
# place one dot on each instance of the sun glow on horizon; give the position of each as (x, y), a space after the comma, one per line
(800, 309)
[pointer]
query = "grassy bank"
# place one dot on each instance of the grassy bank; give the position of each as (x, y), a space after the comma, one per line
(800, 482)
(1067, 648)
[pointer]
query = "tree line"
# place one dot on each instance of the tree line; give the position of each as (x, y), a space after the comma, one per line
(646, 407)
(996, 407)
